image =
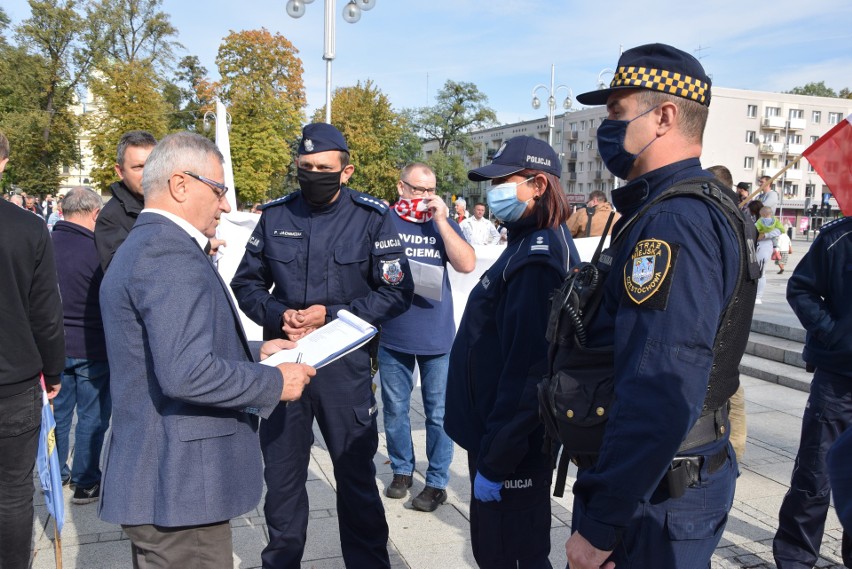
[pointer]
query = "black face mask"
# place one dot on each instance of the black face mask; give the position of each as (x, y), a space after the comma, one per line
(318, 188)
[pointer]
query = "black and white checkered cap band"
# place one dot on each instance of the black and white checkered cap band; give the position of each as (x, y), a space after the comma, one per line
(665, 81)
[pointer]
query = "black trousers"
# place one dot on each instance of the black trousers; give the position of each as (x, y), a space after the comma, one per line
(190, 547)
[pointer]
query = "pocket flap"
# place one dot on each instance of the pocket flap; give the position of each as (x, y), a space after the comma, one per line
(350, 254)
(195, 428)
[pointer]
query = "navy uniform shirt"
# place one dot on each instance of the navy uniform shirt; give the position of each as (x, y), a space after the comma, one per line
(500, 352)
(663, 297)
(346, 254)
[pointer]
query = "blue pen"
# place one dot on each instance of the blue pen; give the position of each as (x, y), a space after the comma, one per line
(298, 361)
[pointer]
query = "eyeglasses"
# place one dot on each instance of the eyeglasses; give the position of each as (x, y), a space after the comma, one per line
(218, 188)
(419, 191)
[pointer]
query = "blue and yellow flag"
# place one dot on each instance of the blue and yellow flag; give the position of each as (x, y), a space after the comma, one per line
(48, 465)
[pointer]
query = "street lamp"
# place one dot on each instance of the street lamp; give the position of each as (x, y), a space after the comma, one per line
(551, 101)
(210, 117)
(351, 13)
(606, 71)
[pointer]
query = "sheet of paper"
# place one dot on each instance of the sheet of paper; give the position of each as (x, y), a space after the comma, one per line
(342, 335)
(428, 279)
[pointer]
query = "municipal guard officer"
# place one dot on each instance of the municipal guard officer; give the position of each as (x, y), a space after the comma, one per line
(818, 292)
(499, 355)
(672, 271)
(324, 248)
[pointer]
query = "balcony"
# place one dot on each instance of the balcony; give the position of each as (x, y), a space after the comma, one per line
(571, 156)
(795, 149)
(797, 124)
(774, 122)
(598, 174)
(772, 148)
(593, 132)
(572, 135)
(794, 175)
(572, 176)
(769, 171)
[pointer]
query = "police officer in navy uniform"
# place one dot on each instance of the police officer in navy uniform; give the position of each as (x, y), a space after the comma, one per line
(500, 354)
(818, 292)
(324, 248)
(671, 277)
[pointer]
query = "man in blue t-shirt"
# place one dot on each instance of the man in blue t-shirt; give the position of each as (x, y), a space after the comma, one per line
(424, 333)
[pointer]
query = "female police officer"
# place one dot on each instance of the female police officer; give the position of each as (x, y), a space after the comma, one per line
(499, 356)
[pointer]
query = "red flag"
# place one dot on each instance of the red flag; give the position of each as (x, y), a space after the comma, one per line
(831, 157)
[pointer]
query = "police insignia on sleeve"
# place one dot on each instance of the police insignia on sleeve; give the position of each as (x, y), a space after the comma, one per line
(648, 273)
(392, 272)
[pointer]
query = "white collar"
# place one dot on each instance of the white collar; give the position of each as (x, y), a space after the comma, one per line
(199, 237)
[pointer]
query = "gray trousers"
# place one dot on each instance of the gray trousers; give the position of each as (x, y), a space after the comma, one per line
(189, 547)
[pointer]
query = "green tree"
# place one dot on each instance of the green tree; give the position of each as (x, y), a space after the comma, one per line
(374, 133)
(189, 95)
(262, 87)
(129, 98)
(814, 89)
(137, 30)
(450, 172)
(458, 109)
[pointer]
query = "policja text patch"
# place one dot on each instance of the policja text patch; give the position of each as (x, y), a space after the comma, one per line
(649, 272)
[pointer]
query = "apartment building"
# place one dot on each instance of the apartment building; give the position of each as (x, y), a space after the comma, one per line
(753, 133)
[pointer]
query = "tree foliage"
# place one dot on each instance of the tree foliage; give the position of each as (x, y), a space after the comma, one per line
(137, 30)
(263, 89)
(188, 96)
(450, 172)
(459, 108)
(820, 89)
(375, 134)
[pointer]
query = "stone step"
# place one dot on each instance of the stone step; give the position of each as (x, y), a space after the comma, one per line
(784, 325)
(776, 372)
(775, 349)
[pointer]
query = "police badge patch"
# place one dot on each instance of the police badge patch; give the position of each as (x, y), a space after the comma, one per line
(309, 145)
(648, 274)
(392, 272)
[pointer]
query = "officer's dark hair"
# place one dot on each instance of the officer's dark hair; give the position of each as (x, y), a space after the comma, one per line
(4, 146)
(597, 195)
(136, 138)
(552, 207)
(693, 115)
(722, 174)
(344, 159)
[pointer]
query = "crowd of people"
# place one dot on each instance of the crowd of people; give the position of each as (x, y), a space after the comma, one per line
(120, 311)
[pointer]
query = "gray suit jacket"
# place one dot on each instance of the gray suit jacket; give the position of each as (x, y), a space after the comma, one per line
(183, 450)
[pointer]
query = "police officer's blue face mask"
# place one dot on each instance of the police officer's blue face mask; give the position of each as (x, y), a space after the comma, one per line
(611, 135)
(503, 200)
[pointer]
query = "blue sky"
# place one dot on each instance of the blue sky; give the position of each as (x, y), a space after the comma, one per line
(409, 48)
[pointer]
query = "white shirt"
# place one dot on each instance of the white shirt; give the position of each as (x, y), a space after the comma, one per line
(479, 231)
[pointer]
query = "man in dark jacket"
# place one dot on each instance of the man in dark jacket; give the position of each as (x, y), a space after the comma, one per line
(120, 213)
(33, 343)
(85, 381)
(818, 292)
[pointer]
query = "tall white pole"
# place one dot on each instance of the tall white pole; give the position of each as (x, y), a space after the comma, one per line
(551, 106)
(328, 54)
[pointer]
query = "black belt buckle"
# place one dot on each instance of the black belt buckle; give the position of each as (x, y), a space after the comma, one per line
(684, 472)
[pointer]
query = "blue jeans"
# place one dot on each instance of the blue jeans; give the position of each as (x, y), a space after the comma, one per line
(801, 519)
(397, 379)
(85, 384)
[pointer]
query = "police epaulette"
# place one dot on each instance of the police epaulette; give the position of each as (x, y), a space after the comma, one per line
(833, 222)
(369, 201)
(279, 201)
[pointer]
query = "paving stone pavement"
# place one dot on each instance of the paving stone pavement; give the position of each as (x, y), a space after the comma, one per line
(440, 540)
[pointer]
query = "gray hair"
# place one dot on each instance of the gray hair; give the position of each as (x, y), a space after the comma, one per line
(137, 138)
(176, 153)
(461, 202)
(17, 200)
(80, 200)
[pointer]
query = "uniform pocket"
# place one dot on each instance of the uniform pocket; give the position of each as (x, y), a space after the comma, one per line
(21, 413)
(685, 525)
(350, 269)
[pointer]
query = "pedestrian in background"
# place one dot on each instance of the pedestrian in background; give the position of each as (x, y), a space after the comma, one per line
(500, 354)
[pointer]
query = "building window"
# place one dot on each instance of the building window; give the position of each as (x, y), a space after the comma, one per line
(748, 163)
(766, 163)
(752, 111)
(816, 116)
(573, 126)
(811, 168)
(797, 114)
(573, 147)
(66, 169)
(794, 138)
(751, 136)
(582, 126)
(834, 118)
(772, 111)
(814, 139)
(580, 166)
(591, 123)
(809, 190)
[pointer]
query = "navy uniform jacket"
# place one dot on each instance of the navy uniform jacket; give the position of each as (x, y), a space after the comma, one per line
(346, 254)
(500, 353)
(818, 292)
(685, 258)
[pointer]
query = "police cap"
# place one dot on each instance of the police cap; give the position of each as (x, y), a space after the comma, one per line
(516, 154)
(658, 67)
(321, 137)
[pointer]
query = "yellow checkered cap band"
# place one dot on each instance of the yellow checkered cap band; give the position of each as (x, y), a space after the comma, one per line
(665, 81)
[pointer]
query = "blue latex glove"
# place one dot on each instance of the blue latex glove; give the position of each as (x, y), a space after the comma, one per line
(485, 490)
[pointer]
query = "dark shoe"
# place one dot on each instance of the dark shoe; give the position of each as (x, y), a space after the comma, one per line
(429, 499)
(86, 495)
(781, 272)
(399, 486)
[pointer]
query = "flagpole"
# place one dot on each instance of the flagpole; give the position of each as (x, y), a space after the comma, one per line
(57, 539)
(771, 180)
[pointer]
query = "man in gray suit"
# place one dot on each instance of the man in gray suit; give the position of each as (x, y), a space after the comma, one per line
(183, 457)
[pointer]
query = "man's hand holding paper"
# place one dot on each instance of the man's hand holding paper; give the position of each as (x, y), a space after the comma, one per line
(295, 376)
